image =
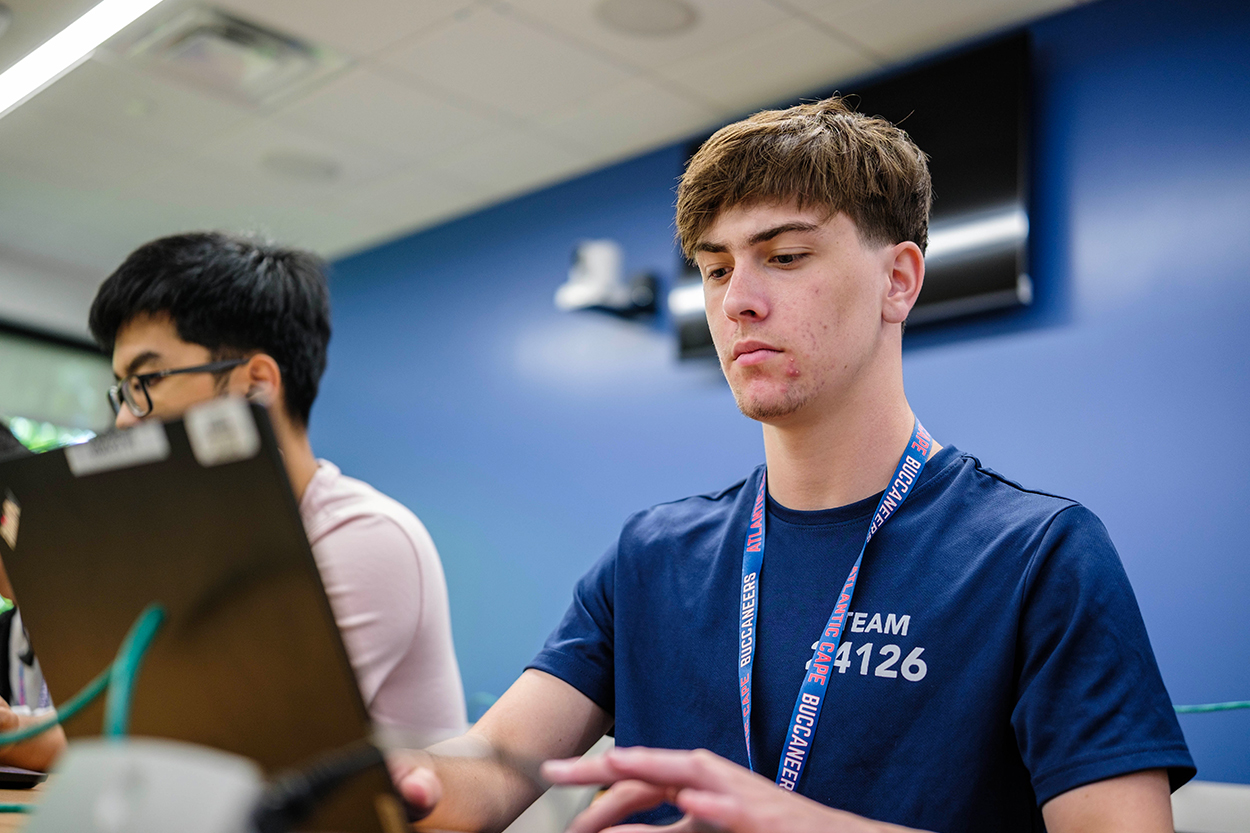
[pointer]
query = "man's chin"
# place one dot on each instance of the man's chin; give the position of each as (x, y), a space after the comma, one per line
(769, 408)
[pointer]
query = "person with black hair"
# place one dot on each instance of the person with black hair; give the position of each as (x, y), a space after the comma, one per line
(195, 316)
(24, 699)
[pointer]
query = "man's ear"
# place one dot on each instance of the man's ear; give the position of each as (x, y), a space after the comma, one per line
(906, 266)
(264, 379)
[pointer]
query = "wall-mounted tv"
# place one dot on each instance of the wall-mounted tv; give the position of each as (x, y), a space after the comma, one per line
(969, 113)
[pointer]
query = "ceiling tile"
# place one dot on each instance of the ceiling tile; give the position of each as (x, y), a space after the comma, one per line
(416, 197)
(61, 151)
(745, 74)
(513, 161)
(33, 22)
(358, 27)
(213, 195)
(92, 227)
(99, 96)
(501, 62)
(900, 30)
(716, 21)
(253, 151)
(632, 117)
(373, 110)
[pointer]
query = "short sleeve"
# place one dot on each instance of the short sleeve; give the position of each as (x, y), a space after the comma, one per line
(372, 577)
(580, 650)
(1091, 703)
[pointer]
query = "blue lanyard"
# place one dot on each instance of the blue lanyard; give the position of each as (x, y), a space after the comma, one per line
(812, 693)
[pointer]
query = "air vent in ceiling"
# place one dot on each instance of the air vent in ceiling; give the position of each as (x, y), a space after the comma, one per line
(230, 57)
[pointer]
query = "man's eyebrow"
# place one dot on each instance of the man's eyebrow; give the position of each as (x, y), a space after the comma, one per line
(140, 360)
(775, 231)
(758, 237)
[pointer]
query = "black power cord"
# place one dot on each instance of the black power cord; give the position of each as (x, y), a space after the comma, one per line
(294, 794)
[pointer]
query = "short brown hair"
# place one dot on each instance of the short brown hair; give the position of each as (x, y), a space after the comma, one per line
(818, 155)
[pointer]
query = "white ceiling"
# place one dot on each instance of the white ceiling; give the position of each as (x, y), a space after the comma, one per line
(442, 107)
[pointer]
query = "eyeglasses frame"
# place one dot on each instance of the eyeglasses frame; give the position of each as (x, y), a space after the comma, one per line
(117, 397)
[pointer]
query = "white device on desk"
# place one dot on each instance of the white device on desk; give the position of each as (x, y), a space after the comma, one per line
(148, 785)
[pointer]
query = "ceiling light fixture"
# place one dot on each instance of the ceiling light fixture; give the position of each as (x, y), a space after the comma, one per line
(67, 49)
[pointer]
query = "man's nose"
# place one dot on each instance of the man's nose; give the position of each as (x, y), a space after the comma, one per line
(125, 418)
(745, 296)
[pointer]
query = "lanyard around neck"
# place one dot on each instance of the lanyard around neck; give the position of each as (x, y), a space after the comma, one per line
(812, 693)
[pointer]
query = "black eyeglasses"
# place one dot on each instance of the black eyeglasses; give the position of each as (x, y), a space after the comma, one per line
(133, 390)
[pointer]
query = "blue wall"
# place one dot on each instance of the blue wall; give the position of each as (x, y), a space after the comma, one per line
(523, 437)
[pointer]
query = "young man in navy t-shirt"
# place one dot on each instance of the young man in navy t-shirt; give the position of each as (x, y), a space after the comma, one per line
(870, 622)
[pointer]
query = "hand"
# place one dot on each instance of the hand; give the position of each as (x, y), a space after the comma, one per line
(9, 719)
(413, 773)
(715, 794)
(36, 753)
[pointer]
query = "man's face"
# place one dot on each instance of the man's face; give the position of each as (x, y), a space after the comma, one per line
(794, 302)
(150, 342)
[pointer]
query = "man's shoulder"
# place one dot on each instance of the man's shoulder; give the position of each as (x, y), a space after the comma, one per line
(965, 485)
(974, 507)
(682, 522)
(334, 501)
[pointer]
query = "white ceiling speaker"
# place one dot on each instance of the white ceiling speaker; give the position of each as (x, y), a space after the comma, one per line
(647, 18)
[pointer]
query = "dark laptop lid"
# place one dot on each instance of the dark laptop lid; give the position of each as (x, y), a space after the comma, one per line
(197, 515)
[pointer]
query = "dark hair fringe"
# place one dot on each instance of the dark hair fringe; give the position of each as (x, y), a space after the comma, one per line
(822, 155)
(234, 295)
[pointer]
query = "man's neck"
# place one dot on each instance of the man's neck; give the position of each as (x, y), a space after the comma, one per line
(839, 458)
(297, 453)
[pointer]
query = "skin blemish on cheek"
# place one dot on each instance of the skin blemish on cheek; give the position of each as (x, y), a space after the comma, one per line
(791, 370)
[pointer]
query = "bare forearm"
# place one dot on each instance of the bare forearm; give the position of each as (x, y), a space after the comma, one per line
(486, 778)
(39, 752)
(482, 787)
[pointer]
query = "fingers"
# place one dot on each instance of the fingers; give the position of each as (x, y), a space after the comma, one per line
(570, 771)
(723, 811)
(686, 825)
(623, 800)
(667, 767)
(419, 787)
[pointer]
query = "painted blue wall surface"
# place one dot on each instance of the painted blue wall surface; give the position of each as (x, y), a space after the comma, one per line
(523, 437)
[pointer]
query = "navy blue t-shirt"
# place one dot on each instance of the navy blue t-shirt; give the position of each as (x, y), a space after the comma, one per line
(994, 657)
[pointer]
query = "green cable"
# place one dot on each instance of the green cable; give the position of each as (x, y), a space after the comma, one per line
(76, 704)
(126, 664)
(1213, 707)
(125, 669)
(17, 808)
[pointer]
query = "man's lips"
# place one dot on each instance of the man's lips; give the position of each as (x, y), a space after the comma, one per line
(753, 352)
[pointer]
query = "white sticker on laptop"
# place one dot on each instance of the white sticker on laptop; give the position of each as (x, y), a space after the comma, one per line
(222, 431)
(145, 443)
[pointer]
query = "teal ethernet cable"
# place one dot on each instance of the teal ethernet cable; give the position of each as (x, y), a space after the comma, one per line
(125, 669)
(1203, 708)
(119, 677)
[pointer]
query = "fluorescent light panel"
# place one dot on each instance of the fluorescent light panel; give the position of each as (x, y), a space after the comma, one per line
(67, 49)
